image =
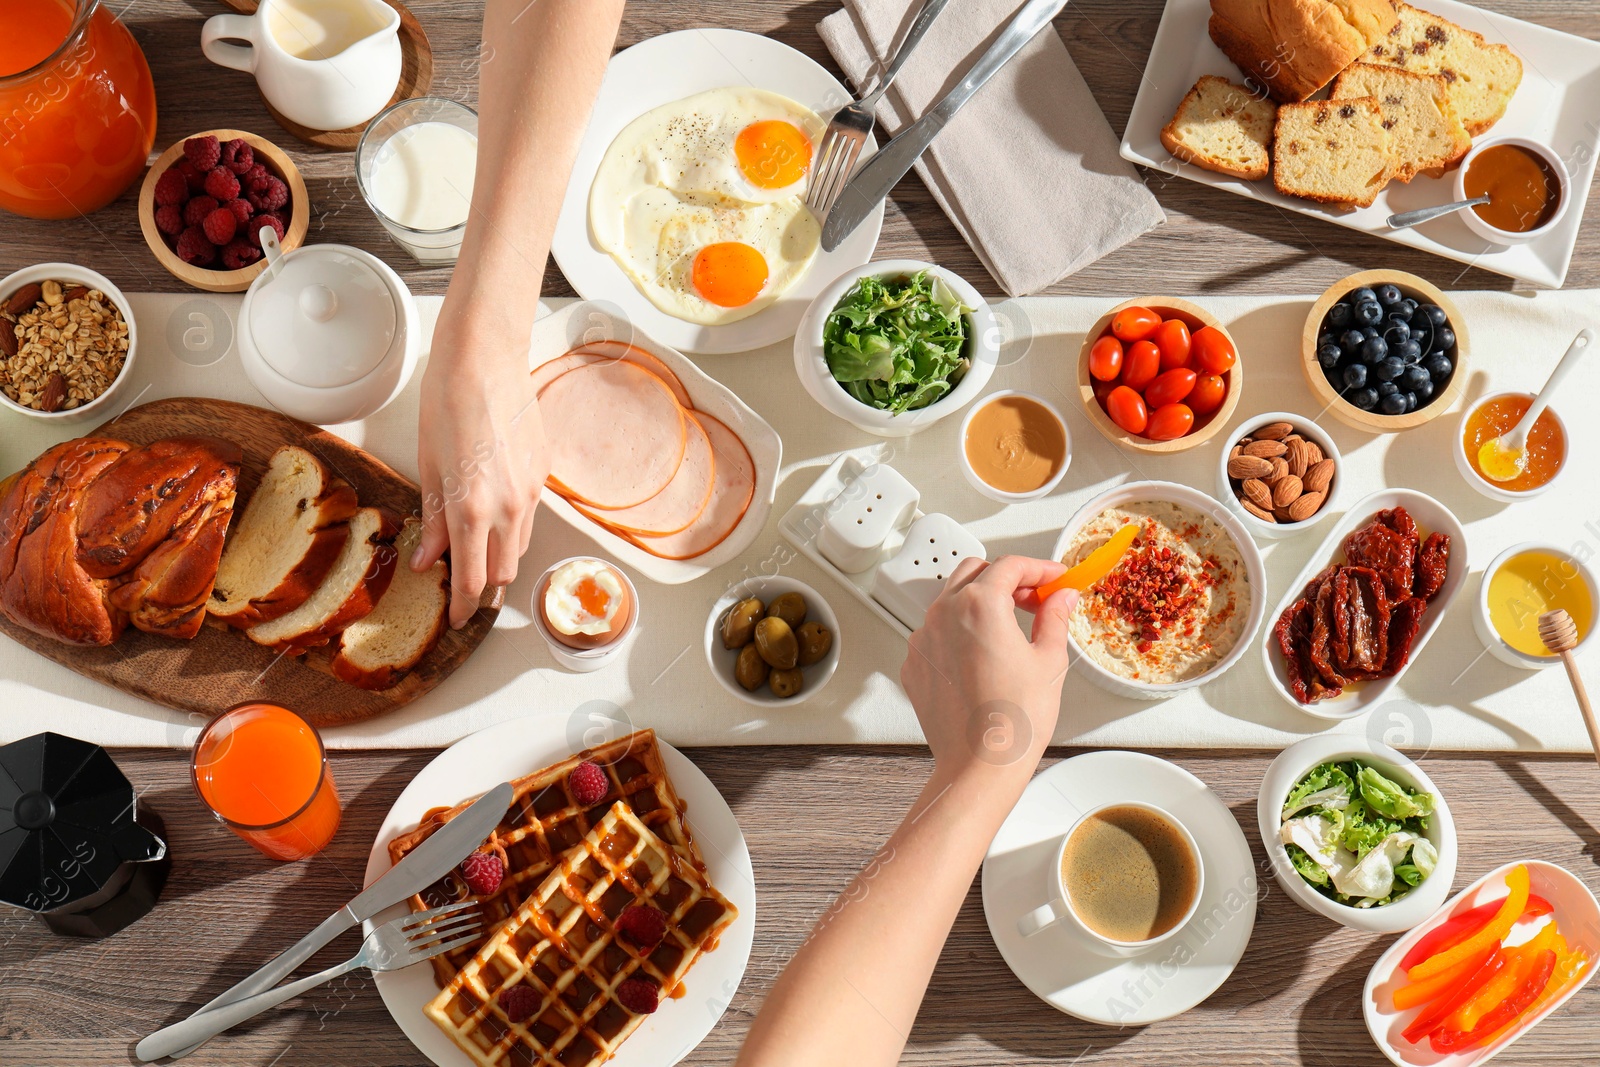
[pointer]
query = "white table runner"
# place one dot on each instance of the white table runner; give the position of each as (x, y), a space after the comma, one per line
(1453, 697)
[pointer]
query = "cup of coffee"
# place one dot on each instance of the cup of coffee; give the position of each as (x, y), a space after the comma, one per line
(1126, 877)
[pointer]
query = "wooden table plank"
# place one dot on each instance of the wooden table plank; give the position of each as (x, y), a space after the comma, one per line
(1213, 242)
(1294, 999)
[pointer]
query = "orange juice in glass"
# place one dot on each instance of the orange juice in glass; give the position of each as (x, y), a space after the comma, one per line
(77, 108)
(262, 771)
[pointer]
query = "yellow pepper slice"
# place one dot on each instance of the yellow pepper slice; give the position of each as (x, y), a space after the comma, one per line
(1498, 928)
(1570, 966)
(1095, 566)
(1467, 1017)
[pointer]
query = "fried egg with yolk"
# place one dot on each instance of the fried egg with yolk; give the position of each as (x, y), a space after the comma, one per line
(701, 202)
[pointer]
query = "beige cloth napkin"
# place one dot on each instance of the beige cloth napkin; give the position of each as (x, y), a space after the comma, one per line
(1028, 171)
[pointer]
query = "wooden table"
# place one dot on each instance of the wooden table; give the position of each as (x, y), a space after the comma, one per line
(1293, 1000)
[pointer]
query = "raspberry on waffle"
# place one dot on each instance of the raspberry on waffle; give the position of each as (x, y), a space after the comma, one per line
(544, 822)
(563, 945)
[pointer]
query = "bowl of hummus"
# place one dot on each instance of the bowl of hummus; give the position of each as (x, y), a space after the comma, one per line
(1182, 605)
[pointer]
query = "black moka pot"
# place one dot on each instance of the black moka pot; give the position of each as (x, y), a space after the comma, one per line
(73, 848)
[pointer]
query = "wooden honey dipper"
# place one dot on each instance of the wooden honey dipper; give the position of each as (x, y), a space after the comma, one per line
(1560, 635)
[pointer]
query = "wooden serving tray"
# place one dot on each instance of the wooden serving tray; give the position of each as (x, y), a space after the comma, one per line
(221, 667)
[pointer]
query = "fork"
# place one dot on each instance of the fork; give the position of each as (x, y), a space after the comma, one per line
(396, 944)
(852, 124)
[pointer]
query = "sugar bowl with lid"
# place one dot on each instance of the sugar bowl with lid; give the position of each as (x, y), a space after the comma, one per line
(328, 333)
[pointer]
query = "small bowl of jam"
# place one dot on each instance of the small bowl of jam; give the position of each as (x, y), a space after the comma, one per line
(1527, 186)
(1546, 452)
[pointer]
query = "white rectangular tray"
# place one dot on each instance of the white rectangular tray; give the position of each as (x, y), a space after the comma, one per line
(1558, 104)
(803, 522)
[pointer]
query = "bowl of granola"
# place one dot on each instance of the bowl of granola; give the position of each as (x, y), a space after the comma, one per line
(67, 342)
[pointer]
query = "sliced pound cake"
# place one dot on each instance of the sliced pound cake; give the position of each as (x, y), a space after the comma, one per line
(358, 580)
(1425, 136)
(292, 530)
(1482, 76)
(375, 652)
(1333, 151)
(1222, 127)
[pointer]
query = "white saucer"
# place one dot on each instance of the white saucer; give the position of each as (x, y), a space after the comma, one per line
(659, 71)
(1060, 968)
(521, 746)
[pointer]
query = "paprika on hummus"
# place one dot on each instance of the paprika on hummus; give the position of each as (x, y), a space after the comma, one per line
(1177, 603)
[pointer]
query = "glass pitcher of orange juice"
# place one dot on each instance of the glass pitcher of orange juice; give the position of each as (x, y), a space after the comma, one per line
(77, 107)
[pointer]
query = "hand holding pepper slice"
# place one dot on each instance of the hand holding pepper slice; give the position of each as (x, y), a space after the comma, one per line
(1496, 930)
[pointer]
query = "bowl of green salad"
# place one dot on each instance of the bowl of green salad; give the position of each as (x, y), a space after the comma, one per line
(895, 346)
(1357, 832)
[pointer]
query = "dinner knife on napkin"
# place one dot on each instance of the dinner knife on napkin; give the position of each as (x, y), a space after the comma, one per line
(880, 173)
(427, 863)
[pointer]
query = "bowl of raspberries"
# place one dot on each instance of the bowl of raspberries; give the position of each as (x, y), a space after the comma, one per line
(1384, 351)
(206, 200)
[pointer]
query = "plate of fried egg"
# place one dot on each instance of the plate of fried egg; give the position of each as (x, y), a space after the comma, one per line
(686, 206)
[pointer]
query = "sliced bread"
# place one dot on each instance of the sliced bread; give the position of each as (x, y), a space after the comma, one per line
(283, 546)
(358, 580)
(377, 651)
(1482, 76)
(1222, 127)
(1295, 47)
(1425, 136)
(1332, 151)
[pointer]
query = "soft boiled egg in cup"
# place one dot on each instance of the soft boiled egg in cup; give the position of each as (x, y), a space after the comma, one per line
(586, 610)
(701, 202)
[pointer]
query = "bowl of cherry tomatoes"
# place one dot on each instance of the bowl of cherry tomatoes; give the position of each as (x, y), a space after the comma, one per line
(1159, 375)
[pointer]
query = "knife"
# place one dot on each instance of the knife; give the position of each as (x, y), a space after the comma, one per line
(880, 173)
(426, 864)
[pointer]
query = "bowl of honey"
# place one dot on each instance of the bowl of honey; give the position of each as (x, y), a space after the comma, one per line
(1521, 584)
(1527, 186)
(1544, 458)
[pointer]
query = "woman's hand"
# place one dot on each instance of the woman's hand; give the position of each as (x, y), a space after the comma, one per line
(481, 455)
(986, 694)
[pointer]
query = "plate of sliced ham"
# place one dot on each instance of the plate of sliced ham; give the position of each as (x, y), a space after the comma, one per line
(1361, 611)
(658, 462)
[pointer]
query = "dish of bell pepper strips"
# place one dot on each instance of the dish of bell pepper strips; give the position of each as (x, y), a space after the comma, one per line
(1472, 987)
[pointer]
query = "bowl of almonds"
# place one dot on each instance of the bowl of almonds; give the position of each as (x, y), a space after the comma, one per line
(67, 342)
(1279, 474)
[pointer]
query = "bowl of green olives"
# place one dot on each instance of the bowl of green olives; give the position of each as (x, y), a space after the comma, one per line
(771, 641)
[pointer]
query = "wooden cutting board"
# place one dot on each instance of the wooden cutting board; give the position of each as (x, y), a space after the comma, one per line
(221, 667)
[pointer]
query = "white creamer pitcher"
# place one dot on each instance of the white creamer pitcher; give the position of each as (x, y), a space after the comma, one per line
(324, 64)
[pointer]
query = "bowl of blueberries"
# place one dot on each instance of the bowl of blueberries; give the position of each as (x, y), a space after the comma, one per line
(1384, 350)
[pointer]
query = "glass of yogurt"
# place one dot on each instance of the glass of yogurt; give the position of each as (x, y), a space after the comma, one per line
(415, 167)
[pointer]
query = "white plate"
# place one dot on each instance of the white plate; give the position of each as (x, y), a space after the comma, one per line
(1431, 516)
(521, 746)
(1575, 910)
(588, 321)
(1175, 975)
(1558, 104)
(659, 71)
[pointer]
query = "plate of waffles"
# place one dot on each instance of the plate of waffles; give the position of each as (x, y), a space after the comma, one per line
(617, 893)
